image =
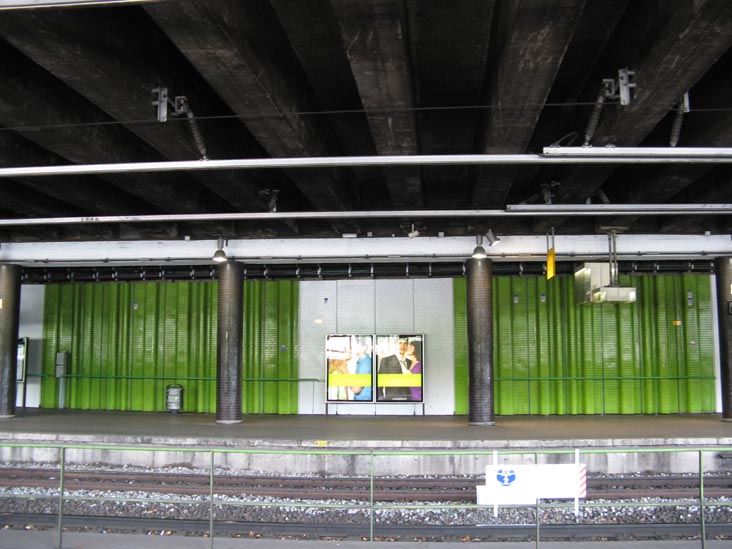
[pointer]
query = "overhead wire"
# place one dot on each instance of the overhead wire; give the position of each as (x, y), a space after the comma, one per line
(264, 116)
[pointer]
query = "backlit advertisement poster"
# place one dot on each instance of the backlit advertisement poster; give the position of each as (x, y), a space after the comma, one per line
(400, 361)
(349, 361)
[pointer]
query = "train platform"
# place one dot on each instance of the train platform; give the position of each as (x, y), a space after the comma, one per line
(346, 431)
(655, 442)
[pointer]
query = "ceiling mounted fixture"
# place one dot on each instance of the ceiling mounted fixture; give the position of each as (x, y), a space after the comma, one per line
(219, 255)
(681, 108)
(479, 251)
(492, 238)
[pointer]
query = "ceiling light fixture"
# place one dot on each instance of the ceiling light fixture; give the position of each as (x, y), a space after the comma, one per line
(479, 251)
(219, 255)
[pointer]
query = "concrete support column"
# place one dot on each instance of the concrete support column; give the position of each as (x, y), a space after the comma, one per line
(723, 270)
(228, 362)
(9, 321)
(480, 341)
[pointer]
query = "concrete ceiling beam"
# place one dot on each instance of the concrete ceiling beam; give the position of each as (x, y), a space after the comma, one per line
(530, 44)
(376, 41)
(241, 50)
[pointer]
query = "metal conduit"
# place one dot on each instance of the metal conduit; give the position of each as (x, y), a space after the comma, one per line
(9, 319)
(553, 155)
(230, 321)
(518, 210)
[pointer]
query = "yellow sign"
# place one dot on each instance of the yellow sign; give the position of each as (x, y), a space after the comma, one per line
(349, 380)
(551, 268)
(399, 380)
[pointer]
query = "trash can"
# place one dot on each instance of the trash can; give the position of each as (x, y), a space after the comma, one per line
(174, 398)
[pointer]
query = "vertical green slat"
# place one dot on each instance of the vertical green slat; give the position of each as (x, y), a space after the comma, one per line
(97, 345)
(107, 367)
(649, 344)
(610, 352)
(187, 341)
(287, 322)
(705, 342)
(269, 346)
(532, 349)
(80, 395)
(522, 351)
(212, 341)
(124, 310)
(52, 309)
(252, 344)
(670, 363)
(459, 302)
(544, 350)
(575, 349)
(562, 319)
(138, 350)
(629, 359)
(692, 363)
(591, 365)
(503, 350)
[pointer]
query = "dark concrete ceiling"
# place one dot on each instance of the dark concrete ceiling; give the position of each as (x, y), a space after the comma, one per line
(303, 78)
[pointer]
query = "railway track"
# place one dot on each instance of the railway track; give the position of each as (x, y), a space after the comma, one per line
(384, 532)
(318, 488)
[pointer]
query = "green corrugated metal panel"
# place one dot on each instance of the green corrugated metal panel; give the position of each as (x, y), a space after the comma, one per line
(552, 356)
(128, 342)
(270, 347)
(459, 297)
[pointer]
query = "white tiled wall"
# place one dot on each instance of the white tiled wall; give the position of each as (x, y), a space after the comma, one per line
(31, 326)
(420, 306)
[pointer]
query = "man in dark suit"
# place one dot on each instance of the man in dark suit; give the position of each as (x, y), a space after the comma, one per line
(395, 364)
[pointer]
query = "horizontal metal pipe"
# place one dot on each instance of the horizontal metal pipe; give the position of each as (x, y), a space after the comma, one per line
(619, 209)
(510, 211)
(352, 161)
(38, 4)
(645, 152)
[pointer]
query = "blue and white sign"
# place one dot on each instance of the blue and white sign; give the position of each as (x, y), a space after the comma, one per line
(524, 484)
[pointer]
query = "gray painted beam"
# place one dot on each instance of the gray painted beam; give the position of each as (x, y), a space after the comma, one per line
(376, 41)
(238, 48)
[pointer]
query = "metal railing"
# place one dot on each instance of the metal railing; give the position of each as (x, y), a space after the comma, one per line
(372, 507)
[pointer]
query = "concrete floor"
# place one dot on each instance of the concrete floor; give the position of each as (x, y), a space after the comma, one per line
(77, 426)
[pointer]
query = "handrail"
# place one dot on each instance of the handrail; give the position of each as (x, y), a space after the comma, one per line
(371, 506)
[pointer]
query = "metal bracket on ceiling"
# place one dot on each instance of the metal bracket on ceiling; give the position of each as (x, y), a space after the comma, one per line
(682, 107)
(610, 89)
(271, 195)
(622, 89)
(180, 107)
(548, 191)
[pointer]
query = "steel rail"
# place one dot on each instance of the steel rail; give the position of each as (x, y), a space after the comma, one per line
(486, 532)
